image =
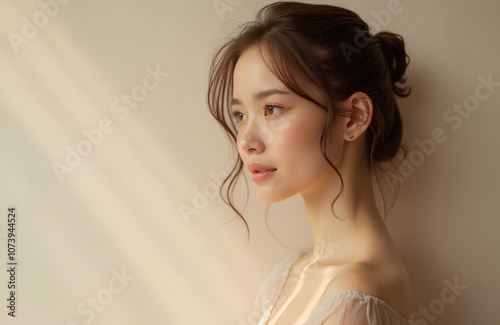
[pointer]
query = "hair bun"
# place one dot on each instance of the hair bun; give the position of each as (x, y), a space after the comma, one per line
(393, 47)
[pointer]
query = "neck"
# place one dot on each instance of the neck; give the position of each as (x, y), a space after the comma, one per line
(343, 234)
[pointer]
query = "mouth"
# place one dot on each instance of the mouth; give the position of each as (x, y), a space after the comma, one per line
(256, 168)
(260, 176)
(263, 170)
(260, 172)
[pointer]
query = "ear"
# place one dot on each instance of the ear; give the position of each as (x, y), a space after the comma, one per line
(360, 107)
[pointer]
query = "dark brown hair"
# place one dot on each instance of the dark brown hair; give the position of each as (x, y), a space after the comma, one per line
(330, 48)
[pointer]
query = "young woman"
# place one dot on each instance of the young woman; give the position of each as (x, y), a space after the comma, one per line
(308, 96)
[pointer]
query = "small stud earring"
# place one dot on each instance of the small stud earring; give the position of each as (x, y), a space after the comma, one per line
(351, 136)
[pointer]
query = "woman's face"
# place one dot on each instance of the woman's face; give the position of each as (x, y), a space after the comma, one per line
(278, 133)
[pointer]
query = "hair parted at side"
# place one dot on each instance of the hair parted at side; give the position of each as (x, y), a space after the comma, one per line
(331, 49)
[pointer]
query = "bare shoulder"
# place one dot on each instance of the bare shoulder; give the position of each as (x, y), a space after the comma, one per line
(389, 282)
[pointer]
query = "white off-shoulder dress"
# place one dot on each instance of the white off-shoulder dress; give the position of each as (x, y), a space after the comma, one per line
(349, 307)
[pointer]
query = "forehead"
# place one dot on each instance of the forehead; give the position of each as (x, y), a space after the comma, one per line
(252, 74)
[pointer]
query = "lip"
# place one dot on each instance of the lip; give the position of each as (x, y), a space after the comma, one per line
(262, 175)
(258, 177)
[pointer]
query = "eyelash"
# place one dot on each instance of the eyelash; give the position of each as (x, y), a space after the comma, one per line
(235, 114)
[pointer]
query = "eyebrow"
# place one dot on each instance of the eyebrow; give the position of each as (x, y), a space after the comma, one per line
(262, 94)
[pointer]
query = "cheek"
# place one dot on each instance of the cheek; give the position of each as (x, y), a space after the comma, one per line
(300, 128)
(296, 136)
(298, 142)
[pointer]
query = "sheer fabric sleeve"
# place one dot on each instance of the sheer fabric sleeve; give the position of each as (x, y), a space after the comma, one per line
(355, 308)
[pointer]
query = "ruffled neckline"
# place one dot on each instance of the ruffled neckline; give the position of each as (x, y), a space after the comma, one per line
(284, 268)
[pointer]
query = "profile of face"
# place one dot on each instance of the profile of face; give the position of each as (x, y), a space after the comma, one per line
(279, 133)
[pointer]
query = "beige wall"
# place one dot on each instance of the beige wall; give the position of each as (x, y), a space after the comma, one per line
(116, 210)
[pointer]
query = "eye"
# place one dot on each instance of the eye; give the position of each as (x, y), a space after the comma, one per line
(272, 109)
(238, 116)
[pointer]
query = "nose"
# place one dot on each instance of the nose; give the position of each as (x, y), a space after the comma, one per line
(251, 138)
